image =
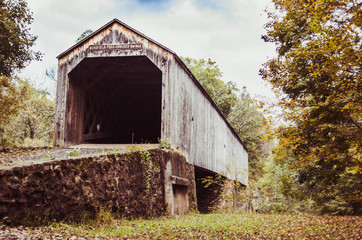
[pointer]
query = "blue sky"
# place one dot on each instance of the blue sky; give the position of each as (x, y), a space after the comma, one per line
(211, 4)
(226, 31)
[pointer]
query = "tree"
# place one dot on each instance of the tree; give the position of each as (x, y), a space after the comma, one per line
(317, 75)
(9, 103)
(34, 122)
(229, 192)
(85, 34)
(15, 53)
(15, 37)
(209, 75)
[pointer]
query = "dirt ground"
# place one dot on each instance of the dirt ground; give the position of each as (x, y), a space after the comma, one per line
(41, 233)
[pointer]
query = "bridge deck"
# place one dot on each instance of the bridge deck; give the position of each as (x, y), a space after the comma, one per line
(22, 157)
(113, 146)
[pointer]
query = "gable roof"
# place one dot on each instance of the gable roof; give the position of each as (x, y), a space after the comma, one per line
(115, 20)
(177, 58)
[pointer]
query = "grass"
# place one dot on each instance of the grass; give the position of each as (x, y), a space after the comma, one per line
(217, 226)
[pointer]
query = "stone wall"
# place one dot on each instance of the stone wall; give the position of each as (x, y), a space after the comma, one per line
(129, 185)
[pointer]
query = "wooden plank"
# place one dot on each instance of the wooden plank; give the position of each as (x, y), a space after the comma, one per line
(98, 135)
(96, 117)
(90, 112)
(116, 90)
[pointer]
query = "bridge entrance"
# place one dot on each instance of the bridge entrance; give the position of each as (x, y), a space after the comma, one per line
(114, 100)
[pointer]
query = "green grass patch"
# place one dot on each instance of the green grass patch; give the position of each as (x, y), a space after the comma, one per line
(217, 226)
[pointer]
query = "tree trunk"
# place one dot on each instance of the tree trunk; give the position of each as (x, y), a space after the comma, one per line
(31, 128)
(235, 195)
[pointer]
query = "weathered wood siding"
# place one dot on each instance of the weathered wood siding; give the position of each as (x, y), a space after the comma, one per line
(189, 121)
(192, 123)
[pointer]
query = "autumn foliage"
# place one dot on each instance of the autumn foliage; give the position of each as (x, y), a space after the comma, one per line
(317, 76)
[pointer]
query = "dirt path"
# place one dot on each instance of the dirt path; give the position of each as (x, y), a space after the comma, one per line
(41, 233)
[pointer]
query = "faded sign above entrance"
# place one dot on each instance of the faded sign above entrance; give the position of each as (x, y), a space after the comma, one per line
(118, 47)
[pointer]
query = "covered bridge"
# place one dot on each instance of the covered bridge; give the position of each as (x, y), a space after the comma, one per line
(120, 86)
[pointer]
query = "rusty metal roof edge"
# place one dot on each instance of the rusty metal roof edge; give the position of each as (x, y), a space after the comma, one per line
(183, 65)
(178, 59)
(115, 20)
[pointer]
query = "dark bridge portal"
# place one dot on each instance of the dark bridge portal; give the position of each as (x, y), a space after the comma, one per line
(115, 100)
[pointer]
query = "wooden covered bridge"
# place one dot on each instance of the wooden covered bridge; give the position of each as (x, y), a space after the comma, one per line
(120, 86)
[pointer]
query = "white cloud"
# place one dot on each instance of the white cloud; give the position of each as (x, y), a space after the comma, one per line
(226, 31)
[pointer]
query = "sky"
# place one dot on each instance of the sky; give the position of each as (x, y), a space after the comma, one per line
(228, 32)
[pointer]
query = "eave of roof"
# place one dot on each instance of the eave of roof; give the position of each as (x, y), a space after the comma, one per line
(106, 26)
(178, 59)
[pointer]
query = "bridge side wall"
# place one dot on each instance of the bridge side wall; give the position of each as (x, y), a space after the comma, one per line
(193, 124)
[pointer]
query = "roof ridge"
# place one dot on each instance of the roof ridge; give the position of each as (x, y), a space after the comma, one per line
(115, 20)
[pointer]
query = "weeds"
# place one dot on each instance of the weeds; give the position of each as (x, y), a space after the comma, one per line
(164, 144)
(133, 148)
(113, 151)
(146, 158)
(49, 156)
(74, 152)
